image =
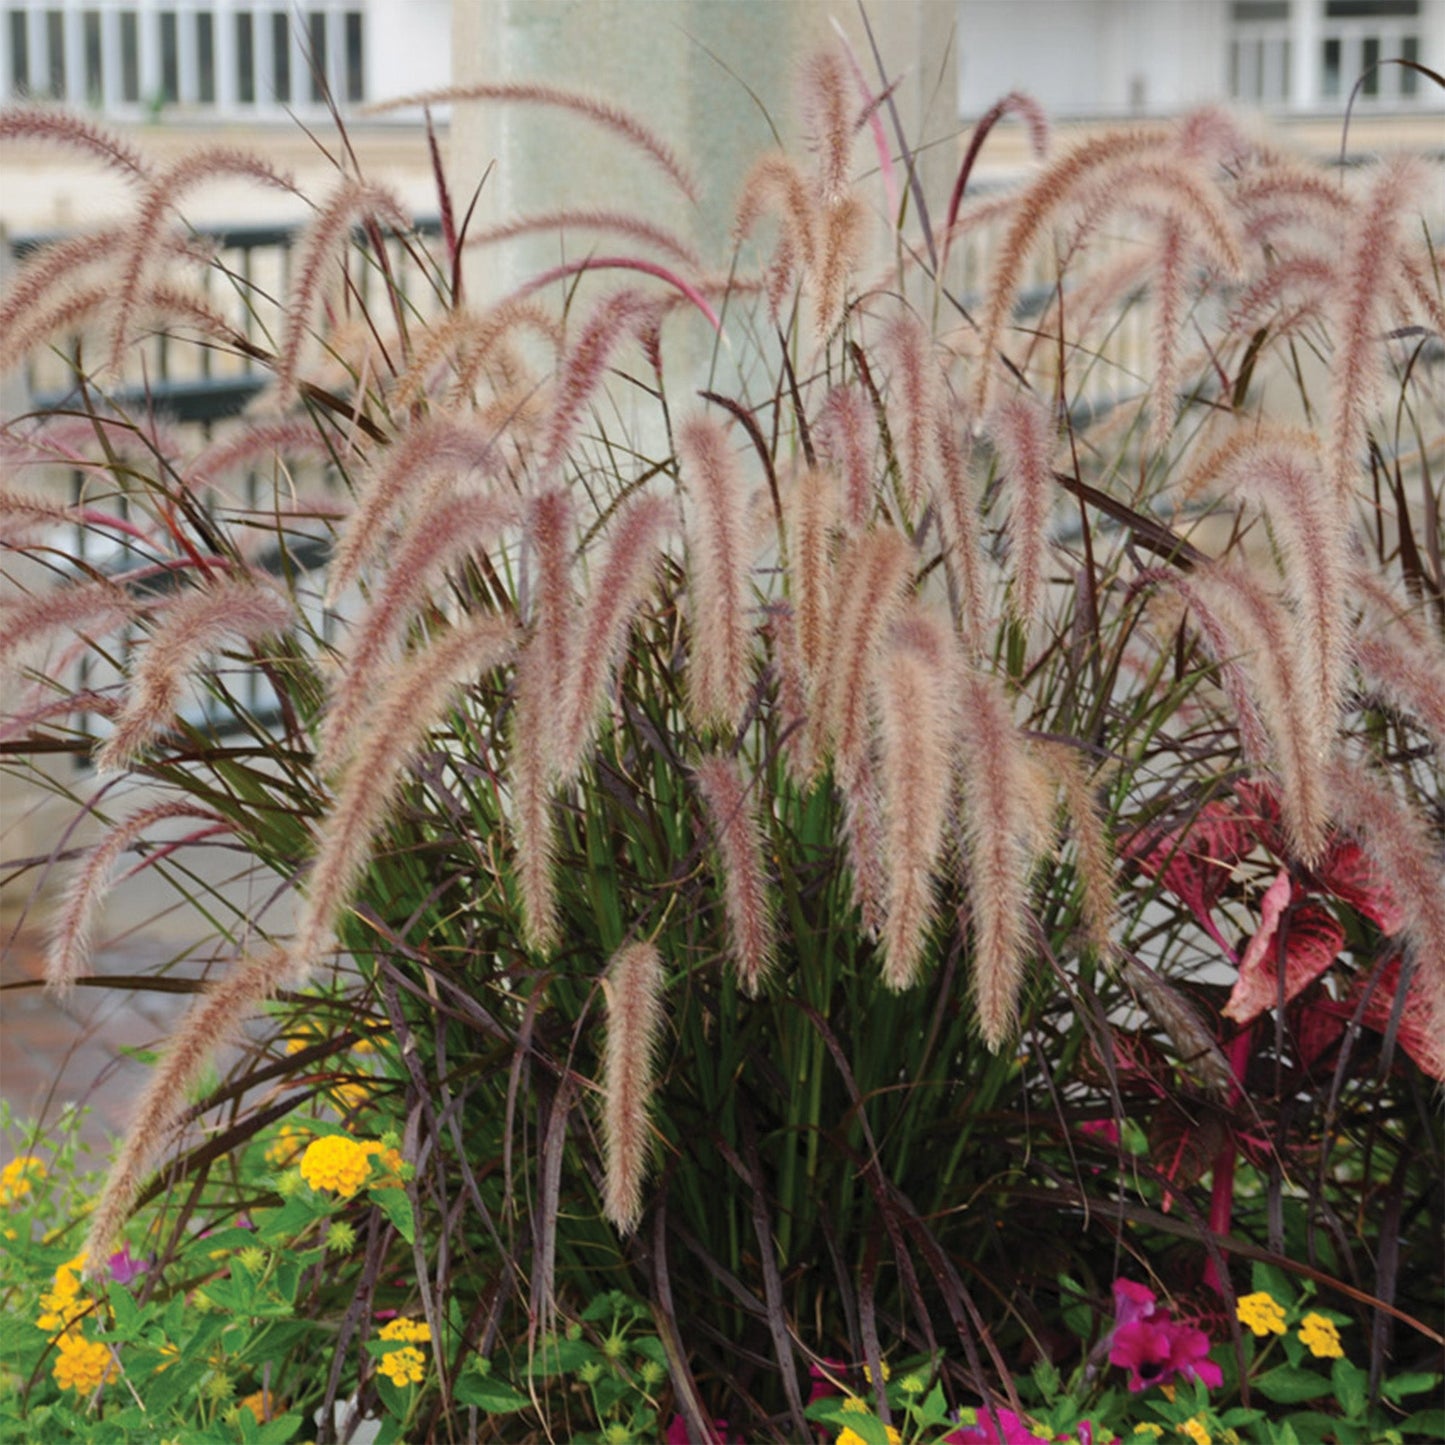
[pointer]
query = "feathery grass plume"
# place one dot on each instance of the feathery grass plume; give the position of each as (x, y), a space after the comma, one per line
(1031, 113)
(621, 223)
(87, 608)
(616, 317)
(738, 837)
(260, 440)
(1282, 194)
(1093, 855)
(917, 691)
(1368, 265)
(871, 117)
(187, 627)
(1300, 287)
(441, 535)
(543, 669)
(35, 279)
(1398, 652)
(957, 504)
(876, 570)
(827, 120)
(776, 186)
(24, 515)
(17, 724)
(632, 987)
(1260, 630)
(411, 698)
(792, 696)
(434, 446)
(1006, 810)
(1421, 286)
(619, 588)
(1402, 847)
(601, 112)
(1284, 473)
(482, 342)
(719, 667)
(813, 508)
(40, 123)
(1053, 188)
(846, 434)
(69, 947)
(1024, 436)
(906, 342)
(1169, 285)
(351, 201)
(146, 243)
(215, 1017)
(844, 241)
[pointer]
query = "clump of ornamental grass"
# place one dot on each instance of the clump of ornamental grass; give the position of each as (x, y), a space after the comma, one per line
(765, 835)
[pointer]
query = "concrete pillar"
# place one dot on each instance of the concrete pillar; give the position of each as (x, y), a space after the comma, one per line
(1304, 54)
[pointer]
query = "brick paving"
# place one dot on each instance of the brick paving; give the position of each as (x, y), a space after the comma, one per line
(55, 1052)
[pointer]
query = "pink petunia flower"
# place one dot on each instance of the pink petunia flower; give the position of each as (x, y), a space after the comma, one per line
(1153, 1347)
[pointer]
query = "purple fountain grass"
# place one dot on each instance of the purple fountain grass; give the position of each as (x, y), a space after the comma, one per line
(552, 528)
(1402, 847)
(1398, 652)
(916, 692)
(916, 381)
(432, 447)
(69, 947)
(877, 568)
(621, 223)
(737, 835)
(843, 245)
(187, 627)
(957, 504)
(828, 122)
(264, 439)
(59, 127)
(615, 318)
(619, 587)
(719, 662)
(1025, 437)
(1169, 285)
(1093, 854)
(600, 112)
(1006, 811)
(17, 724)
(1028, 110)
(411, 698)
(632, 986)
(846, 434)
(1368, 264)
(323, 240)
(812, 511)
(477, 341)
(443, 534)
(792, 695)
(1300, 286)
(144, 233)
(216, 1017)
(87, 608)
(681, 284)
(54, 265)
(872, 118)
(775, 186)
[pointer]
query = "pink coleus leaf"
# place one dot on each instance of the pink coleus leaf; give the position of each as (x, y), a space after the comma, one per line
(1196, 862)
(1415, 1035)
(1349, 873)
(1311, 938)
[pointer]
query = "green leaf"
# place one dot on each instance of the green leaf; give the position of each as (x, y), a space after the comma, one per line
(1273, 1281)
(934, 1408)
(1286, 1385)
(280, 1430)
(494, 1396)
(1424, 1425)
(1409, 1384)
(397, 1207)
(1349, 1382)
(561, 1357)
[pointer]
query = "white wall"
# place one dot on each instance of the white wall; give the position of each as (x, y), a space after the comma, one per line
(408, 46)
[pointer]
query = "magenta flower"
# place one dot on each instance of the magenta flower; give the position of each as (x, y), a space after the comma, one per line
(1152, 1346)
(1010, 1429)
(124, 1267)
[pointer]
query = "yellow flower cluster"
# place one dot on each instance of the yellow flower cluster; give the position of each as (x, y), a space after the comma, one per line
(1322, 1337)
(289, 1141)
(81, 1364)
(16, 1177)
(405, 1366)
(263, 1405)
(1148, 1427)
(388, 1159)
(1194, 1429)
(61, 1305)
(1262, 1313)
(337, 1163)
(412, 1331)
(852, 1437)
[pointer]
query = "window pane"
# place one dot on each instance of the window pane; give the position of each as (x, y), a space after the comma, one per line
(355, 58)
(1369, 9)
(55, 34)
(245, 59)
(1371, 86)
(19, 53)
(1330, 70)
(170, 58)
(1257, 10)
(1409, 79)
(129, 58)
(280, 56)
(205, 58)
(94, 77)
(316, 54)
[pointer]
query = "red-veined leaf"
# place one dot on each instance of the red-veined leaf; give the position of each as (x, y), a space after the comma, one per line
(1352, 877)
(1311, 939)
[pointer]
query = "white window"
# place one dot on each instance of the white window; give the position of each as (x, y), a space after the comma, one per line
(1357, 35)
(239, 57)
(1259, 51)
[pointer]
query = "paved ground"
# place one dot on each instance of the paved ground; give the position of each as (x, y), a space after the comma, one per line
(53, 1053)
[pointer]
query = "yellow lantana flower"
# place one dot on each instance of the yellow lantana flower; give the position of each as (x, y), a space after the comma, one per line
(1148, 1427)
(290, 1140)
(1195, 1431)
(412, 1331)
(61, 1305)
(388, 1159)
(82, 1364)
(263, 1405)
(406, 1366)
(852, 1437)
(1322, 1337)
(16, 1177)
(336, 1163)
(1262, 1313)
